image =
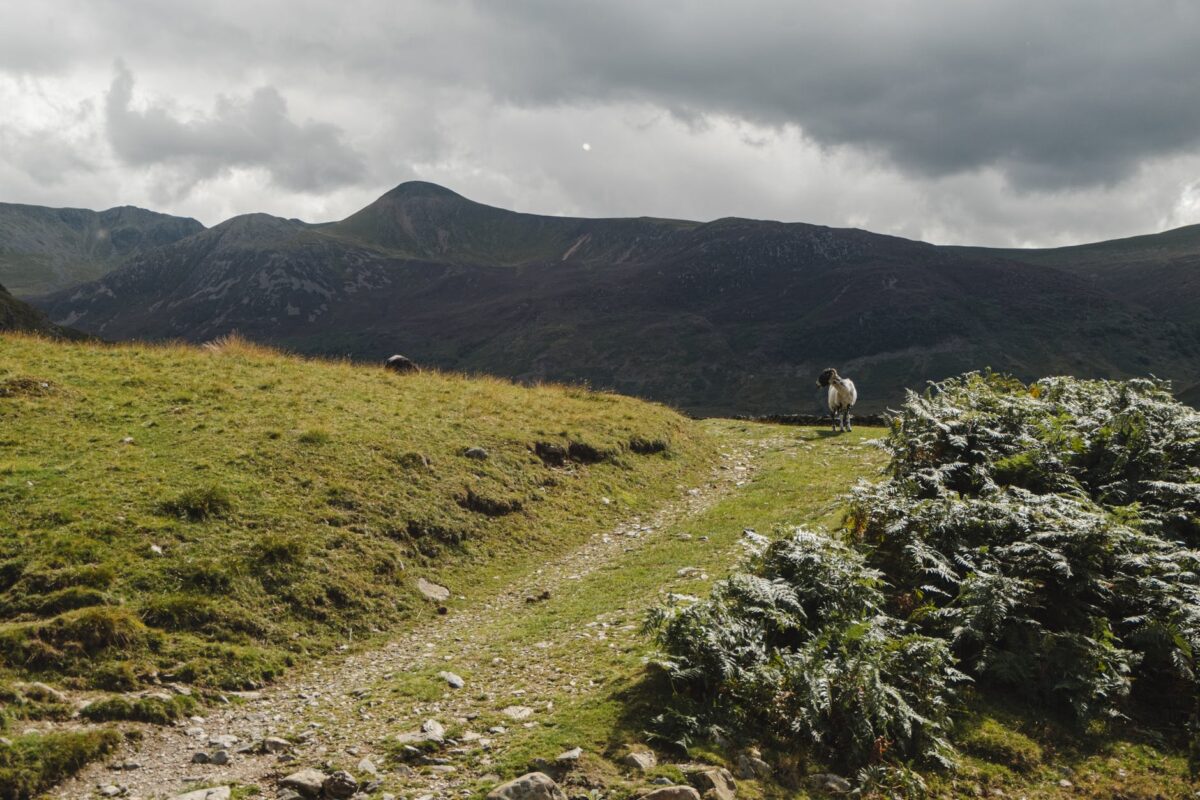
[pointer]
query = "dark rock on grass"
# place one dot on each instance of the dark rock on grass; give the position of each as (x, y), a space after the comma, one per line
(532, 786)
(340, 784)
(476, 453)
(401, 364)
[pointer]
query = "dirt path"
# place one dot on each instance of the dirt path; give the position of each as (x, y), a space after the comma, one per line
(343, 710)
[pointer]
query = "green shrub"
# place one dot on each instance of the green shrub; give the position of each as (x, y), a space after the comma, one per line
(32, 764)
(199, 504)
(1043, 531)
(155, 710)
(795, 653)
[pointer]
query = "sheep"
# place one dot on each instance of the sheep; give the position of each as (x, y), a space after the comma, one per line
(842, 397)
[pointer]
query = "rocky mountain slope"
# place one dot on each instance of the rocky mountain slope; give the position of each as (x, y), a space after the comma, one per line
(45, 249)
(730, 316)
(18, 316)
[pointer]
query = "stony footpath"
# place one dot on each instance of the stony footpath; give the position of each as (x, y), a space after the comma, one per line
(368, 723)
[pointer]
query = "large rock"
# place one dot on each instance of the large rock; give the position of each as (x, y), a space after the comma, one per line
(214, 793)
(714, 784)
(829, 783)
(640, 760)
(532, 786)
(673, 793)
(401, 364)
(750, 765)
(308, 782)
(432, 591)
(340, 784)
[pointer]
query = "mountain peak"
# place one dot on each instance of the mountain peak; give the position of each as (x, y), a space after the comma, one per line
(422, 189)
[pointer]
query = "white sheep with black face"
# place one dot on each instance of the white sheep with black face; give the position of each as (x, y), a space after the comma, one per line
(842, 397)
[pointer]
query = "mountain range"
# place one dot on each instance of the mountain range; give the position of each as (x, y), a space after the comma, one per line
(44, 249)
(729, 316)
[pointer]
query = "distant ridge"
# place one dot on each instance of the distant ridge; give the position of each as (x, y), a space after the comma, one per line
(733, 316)
(44, 249)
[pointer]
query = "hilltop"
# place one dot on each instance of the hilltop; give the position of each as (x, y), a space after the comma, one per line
(212, 517)
(45, 249)
(724, 317)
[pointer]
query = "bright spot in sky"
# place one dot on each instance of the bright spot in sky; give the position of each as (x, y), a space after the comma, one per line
(587, 146)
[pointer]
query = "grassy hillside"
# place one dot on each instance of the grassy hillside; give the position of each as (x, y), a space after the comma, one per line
(213, 516)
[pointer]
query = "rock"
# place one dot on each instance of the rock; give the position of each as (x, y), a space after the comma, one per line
(532, 786)
(673, 793)
(641, 760)
(340, 784)
(288, 794)
(180, 689)
(570, 756)
(400, 364)
(273, 744)
(433, 730)
(432, 591)
(307, 782)
(220, 757)
(1065, 784)
(200, 757)
(553, 454)
(224, 741)
(517, 712)
(156, 549)
(452, 679)
(689, 572)
(111, 790)
(212, 793)
(41, 691)
(368, 766)
(750, 765)
(127, 440)
(477, 453)
(828, 782)
(714, 784)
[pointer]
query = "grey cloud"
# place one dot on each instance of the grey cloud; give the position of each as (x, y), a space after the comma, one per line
(251, 132)
(1051, 94)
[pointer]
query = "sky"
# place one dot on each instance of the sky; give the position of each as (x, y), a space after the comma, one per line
(1011, 123)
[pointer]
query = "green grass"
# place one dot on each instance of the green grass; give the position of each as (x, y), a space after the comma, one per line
(216, 516)
(801, 482)
(31, 764)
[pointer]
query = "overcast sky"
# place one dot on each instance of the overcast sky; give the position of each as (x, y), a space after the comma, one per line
(954, 121)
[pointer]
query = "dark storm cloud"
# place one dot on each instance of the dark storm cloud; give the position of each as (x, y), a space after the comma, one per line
(1052, 94)
(251, 132)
